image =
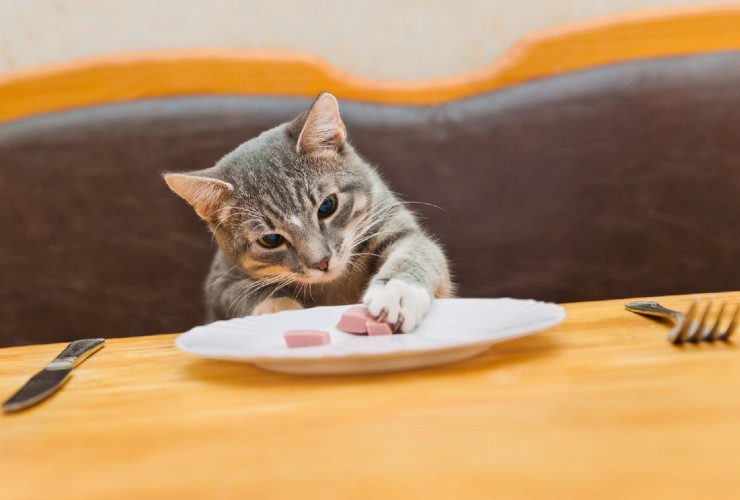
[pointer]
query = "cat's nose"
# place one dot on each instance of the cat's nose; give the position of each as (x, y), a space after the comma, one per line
(322, 265)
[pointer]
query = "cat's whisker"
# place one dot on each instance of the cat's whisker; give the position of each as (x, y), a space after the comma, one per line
(254, 215)
(237, 300)
(423, 203)
(252, 288)
(357, 258)
(220, 278)
(255, 288)
(213, 236)
(371, 220)
(406, 202)
(309, 289)
(287, 280)
(374, 218)
(357, 266)
(244, 294)
(301, 289)
(258, 224)
(235, 212)
(365, 230)
(373, 235)
(279, 287)
(304, 287)
(365, 253)
(366, 224)
(380, 213)
(377, 211)
(246, 210)
(357, 263)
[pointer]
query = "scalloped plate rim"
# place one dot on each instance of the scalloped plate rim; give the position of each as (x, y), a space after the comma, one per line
(308, 358)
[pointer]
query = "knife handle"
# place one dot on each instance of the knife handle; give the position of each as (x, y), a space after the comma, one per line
(78, 351)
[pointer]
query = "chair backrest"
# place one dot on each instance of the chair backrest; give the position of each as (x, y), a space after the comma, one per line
(619, 180)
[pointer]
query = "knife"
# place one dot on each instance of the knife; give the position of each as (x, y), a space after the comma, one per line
(50, 379)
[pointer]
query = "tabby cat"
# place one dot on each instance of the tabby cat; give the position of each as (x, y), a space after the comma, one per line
(302, 220)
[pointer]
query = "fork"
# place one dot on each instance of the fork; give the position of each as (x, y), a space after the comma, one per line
(686, 328)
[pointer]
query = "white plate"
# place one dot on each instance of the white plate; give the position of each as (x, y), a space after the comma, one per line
(454, 329)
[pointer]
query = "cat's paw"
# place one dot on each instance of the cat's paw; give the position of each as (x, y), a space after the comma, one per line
(270, 306)
(398, 300)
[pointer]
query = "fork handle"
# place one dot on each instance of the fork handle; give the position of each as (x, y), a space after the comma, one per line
(653, 309)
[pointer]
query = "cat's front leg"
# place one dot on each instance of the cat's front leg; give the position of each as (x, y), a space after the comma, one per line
(247, 298)
(413, 271)
(232, 294)
(398, 302)
(273, 305)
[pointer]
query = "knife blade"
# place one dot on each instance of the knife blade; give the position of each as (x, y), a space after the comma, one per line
(53, 376)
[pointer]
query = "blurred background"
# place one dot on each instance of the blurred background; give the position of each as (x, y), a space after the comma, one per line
(597, 161)
(371, 38)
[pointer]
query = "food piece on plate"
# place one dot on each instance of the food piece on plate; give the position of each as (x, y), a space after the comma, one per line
(378, 327)
(306, 338)
(353, 320)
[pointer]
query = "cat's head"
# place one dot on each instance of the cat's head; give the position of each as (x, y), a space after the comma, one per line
(288, 204)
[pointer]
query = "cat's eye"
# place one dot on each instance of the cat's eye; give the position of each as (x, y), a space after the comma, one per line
(271, 240)
(328, 206)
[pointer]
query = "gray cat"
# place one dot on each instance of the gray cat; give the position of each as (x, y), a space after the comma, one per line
(301, 220)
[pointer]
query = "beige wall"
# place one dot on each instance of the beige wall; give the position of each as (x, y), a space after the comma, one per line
(383, 38)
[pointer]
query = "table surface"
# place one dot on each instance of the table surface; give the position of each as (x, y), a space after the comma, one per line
(601, 406)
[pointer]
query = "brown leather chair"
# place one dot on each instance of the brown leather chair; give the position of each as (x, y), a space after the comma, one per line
(617, 181)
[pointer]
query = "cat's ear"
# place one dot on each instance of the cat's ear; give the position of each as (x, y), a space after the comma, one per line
(205, 194)
(323, 132)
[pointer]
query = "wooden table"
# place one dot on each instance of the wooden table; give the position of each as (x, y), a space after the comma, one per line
(598, 407)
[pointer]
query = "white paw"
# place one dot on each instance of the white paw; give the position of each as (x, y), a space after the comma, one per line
(398, 299)
(270, 306)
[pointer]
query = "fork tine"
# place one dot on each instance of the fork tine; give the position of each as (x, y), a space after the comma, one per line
(714, 334)
(731, 328)
(697, 334)
(683, 329)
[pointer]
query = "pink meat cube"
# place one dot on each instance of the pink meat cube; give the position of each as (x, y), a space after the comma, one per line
(378, 327)
(306, 338)
(353, 320)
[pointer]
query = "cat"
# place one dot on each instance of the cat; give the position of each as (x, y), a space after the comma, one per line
(301, 220)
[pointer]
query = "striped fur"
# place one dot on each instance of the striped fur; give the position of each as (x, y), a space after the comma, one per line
(378, 252)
